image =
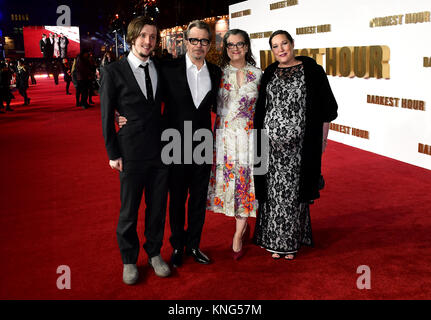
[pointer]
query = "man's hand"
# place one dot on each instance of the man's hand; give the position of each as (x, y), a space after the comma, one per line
(121, 121)
(117, 164)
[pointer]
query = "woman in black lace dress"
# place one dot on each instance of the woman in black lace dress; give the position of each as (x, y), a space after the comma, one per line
(294, 108)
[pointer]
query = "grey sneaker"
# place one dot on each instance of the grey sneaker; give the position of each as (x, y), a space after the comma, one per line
(130, 274)
(161, 268)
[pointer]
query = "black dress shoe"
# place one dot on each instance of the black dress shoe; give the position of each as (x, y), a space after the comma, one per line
(199, 256)
(177, 258)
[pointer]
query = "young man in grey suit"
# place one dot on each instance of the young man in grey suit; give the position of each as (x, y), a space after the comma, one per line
(131, 86)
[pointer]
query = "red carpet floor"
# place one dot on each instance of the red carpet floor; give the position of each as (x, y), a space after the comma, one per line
(59, 205)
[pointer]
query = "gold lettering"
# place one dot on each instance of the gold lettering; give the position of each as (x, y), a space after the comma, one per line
(304, 52)
(331, 61)
(324, 28)
(317, 54)
(396, 102)
(241, 13)
(418, 17)
(306, 30)
(260, 35)
(424, 148)
(345, 63)
(266, 58)
(421, 148)
(413, 104)
(282, 4)
(362, 62)
(379, 62)
(386, 21)
(364, 134)
(384, 101)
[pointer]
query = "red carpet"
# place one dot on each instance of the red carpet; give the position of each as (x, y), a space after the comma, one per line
(59, 205)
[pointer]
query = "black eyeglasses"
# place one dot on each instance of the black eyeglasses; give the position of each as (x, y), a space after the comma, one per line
(195, 41)
(237, 45)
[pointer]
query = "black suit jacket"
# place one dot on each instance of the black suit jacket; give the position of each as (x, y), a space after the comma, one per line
(49, 48)
(42, 45)
(179, 105)
(139, 140)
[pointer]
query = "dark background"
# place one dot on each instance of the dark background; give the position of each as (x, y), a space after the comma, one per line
(97, 18)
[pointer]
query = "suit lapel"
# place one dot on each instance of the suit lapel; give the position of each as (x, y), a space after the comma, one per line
(214, 84)
(157, 65)
(213, 77)
(183, 72)
(130, 77)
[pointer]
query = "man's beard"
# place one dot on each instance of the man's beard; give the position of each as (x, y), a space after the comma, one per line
(145, 55)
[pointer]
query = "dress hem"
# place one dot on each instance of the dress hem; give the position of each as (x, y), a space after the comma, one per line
(286, 252)
(251, 215)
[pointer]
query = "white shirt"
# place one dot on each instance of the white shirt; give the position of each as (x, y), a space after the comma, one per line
(139, 73)
(199, 81)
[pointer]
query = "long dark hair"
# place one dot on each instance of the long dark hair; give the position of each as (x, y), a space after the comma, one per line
(224, 60)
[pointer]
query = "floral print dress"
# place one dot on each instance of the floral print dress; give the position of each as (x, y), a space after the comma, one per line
(231, 187)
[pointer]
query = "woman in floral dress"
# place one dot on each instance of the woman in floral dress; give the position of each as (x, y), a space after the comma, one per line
(56, 46)
(231, 188)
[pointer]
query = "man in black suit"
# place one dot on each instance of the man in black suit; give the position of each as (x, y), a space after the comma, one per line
(43, 45)
(49, 47)
(131, 86)
(190, 86)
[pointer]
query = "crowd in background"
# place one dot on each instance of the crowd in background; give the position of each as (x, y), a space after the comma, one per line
(82, 71)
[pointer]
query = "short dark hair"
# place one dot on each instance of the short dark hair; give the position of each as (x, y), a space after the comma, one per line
(135, 26)
(200, 25)
(224, 59)
(276, 33)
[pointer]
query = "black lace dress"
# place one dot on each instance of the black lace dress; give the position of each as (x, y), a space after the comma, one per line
(283, 223)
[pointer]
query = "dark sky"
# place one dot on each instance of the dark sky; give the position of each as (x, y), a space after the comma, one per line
(94, 15)
(179, 12)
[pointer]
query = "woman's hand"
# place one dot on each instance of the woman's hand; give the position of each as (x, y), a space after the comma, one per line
(120, 120)
(324, 143)
(325, 135)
